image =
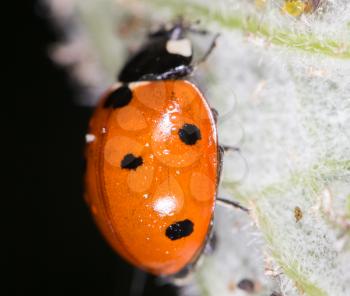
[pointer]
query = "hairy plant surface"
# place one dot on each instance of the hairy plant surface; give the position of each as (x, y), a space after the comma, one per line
(281, 84)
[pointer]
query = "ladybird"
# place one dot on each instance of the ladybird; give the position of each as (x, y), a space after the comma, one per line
(153, 159)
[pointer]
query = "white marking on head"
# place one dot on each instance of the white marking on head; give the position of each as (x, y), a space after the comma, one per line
(134, 85)
(181, 47)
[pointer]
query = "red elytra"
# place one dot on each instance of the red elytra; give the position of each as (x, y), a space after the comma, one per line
(152, 172)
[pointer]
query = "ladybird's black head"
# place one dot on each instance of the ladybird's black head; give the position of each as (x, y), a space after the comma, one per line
(165, 50)
(176, 31)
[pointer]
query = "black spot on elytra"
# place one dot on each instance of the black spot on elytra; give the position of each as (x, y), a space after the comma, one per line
(189, 134)
(131, 162)
(246, 285)
(179, 229)
(119, 97)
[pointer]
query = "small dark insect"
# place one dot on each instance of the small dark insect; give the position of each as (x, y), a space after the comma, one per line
(312, 5)
(246, 285)
(299, 7)
(275, 294)
(298, 214)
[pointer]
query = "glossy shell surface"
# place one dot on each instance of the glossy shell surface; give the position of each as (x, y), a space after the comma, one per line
(152, 165)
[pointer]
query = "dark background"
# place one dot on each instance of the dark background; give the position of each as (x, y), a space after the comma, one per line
(59, 250)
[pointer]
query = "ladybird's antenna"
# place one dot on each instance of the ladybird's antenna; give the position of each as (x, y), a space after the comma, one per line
(209, 50)
(198, 31)
(230, 203)
(138, 282)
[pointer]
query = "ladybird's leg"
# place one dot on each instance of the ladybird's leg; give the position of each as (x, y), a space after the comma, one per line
(210, 240)
(181, 278)
(138, 282)
(221, 152)
(215, 114)
(220, 200)
(226, 148)
(231, 148)
(230, 203)
(211, 243)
